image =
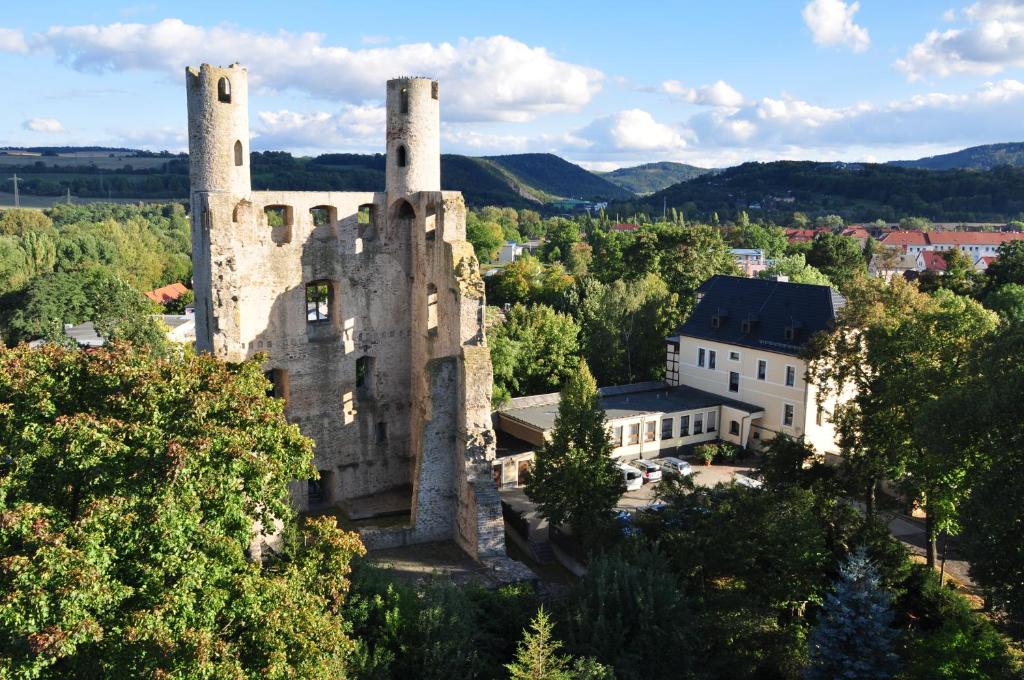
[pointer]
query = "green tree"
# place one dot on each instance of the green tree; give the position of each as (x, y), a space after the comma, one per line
(560, 235)
(838, 257)
(1008, 302)
(630, 613)
(854, 636)
(52, 300)
(486, 238)
(538, 657)
(832, 222)
(533, 351)
(20, 221)
(796, 268)
(1008, 267)
(916, 224)
(574, 480)
(770, 239)
(128, 504)
(624, 328)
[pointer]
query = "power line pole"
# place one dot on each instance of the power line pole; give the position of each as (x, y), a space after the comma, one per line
(16, 179)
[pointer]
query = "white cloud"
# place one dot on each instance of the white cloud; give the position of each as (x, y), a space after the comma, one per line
(831, 23)
(12, 40)
(992, 41)
(50, 125)
(354, 128)
(629, 131)
(483, 78)
(719, 93)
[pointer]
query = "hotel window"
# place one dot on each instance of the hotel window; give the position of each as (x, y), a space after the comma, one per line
(617, 436)
(700, 357)
(734, 381)
(762, 369)
(650, 430)
(684, 426)
(790, 376)
(711, 359)
(787, 415)
(734, 356)
(666, 428)
(698, 424)
(712, 421)
(634, 434)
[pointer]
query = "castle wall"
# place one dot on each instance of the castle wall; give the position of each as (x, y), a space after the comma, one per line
(389, 373)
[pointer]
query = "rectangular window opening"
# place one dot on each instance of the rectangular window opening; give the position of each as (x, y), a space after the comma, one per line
(712, 355)
(318, 301)
(790, 376)
(650, 431)
(278, 378)
(617, 436)
(734, 427)
(698, 424)
(734, 356)
(762, 369)
(712, 421)
(666, 428)
(634, 434)
(700, 357)
(787, 415)
(684, 426)
(734, 381)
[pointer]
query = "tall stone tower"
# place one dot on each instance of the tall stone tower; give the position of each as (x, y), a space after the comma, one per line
(368, 307)
(413, 136)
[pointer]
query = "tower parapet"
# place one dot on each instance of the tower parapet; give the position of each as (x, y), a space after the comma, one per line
(413, 136)
(218, 128)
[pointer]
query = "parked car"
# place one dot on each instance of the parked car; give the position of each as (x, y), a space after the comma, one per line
(743, 480)
(675, 467)
(650, 470)
(634, 479)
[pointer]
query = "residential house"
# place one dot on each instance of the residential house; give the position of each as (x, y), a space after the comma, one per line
(750, 260)
(983, 262)
(168, 293)
(930, 261)
(509, 252)
(973, 244)
(744, 340)
(890, 263)
(794, 236)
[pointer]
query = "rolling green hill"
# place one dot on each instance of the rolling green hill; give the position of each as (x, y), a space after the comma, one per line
(857, 191)
(524, 180)
(650, 177)
(975, 158)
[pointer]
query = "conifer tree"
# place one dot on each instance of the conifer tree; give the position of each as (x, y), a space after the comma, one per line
(574, 480)
(853, 639)
(537, 657)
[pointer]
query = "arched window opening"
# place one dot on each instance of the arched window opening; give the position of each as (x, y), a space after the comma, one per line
(403, 156)
(431, 310)
(239, 153)
(405, 211)
(403, 100)
(224, 91)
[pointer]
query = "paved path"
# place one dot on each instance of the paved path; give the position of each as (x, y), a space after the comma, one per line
(910, 531)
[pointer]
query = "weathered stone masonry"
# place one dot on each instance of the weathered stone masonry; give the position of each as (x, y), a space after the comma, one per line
(370, 309)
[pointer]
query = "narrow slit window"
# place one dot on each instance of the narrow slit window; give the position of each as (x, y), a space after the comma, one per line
(278, 378)
(318, 301)
(364, 377)
(239, 153)
(432, 310)
(224, 91)
(403, 100)
(403, 156)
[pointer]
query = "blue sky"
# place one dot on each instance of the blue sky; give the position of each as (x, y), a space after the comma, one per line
(606, 84)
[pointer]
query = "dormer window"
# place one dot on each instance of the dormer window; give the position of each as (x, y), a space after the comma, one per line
(792, 330)
(747, 324)
(719, 317)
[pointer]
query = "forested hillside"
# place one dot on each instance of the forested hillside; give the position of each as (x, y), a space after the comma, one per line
(857, 192)
(651, 177)
(983, 157)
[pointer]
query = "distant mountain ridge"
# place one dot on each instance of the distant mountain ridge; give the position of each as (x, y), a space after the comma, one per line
(983, 157)
(651, 177)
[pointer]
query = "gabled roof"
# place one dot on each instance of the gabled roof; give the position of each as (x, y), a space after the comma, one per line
(949, 238)
(771, 306)
(905, 238)
(625, 226)
(932, 261)
(167, 293)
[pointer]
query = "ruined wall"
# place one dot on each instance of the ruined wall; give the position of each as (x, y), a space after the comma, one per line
(394, 385)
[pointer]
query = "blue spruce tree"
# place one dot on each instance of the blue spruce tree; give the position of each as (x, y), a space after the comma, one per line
(853, 638)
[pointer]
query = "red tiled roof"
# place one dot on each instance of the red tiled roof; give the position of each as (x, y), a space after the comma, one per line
(933, 261)
(167, 293)
(625, 226)
(989, 259)
(856, 232)
(905, 238)
(950, 238)
(803, 235)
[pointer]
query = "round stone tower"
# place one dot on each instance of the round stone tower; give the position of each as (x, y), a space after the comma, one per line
(413, 136)
(218, 129)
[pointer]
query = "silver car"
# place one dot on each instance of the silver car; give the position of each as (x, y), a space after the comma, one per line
(675, 467)
(650, 470)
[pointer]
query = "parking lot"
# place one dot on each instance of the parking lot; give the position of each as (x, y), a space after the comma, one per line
(703, 475)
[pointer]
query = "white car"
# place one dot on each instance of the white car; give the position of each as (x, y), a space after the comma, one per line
(675, 467)
(649, 469)
(634, 480)
(743, 480)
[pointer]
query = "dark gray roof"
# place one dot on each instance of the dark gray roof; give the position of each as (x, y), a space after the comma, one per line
(772, 306)
(623, 401)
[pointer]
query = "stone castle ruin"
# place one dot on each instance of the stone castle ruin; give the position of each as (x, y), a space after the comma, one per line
(370, 308)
